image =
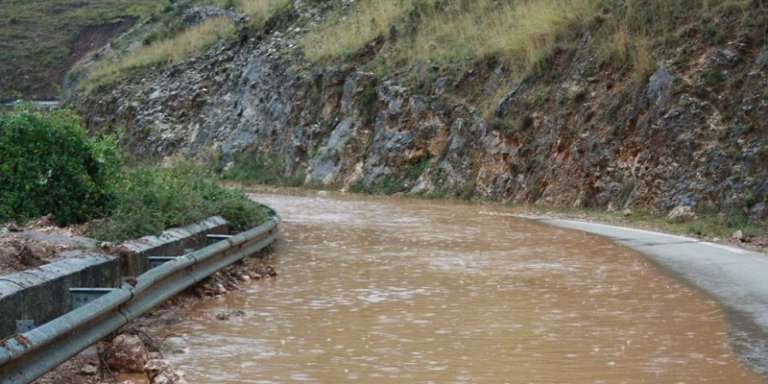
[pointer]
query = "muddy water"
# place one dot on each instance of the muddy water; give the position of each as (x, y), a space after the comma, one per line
(400, 291)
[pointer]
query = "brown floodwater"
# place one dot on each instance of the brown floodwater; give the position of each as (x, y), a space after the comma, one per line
(415, 291)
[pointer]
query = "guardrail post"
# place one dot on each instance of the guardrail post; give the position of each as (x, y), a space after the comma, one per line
(24, 325)
(156, 261)
(216, 238)
(31, 354)
(83, 296)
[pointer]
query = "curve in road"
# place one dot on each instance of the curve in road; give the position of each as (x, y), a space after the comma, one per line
(735, 277)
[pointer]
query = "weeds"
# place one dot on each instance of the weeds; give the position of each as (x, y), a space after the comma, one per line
(150, 199)
(50, 166)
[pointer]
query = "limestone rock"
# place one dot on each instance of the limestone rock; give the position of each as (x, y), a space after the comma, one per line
(681, 214)
(762, 59)
(89, 369)
(127, 353)
(162, 372)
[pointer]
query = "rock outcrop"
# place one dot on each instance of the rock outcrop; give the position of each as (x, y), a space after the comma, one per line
(583, 136)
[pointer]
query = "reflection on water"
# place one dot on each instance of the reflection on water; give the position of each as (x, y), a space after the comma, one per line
(401, 291)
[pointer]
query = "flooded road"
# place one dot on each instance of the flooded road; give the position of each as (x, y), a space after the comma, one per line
(404, 291)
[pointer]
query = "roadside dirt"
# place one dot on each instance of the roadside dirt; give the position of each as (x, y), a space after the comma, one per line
(114, 360)
(38, 243)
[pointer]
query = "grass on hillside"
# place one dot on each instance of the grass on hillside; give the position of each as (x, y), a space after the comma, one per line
(342, 34)
(168, 41)
(520, 32)
(450, 31)
(178, 48)
(37, 39)
(259, 11)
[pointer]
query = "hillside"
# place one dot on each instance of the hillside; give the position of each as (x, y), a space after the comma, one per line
(643, 104)
(40, 40)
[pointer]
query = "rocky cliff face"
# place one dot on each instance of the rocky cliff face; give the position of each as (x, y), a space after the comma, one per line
(694, 133)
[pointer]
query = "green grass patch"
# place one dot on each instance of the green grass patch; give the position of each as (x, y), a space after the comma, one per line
(149, 199)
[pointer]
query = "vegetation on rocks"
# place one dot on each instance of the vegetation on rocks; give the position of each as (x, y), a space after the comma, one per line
(182, 46)
(49, 165)
(259, 11)
(449, 31)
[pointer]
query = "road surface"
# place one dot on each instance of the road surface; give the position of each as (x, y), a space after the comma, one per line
(735, 277)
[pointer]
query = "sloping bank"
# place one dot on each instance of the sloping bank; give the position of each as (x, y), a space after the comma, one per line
(735, 277)
(152, 269)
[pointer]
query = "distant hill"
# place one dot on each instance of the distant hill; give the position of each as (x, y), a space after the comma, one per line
(41, 39)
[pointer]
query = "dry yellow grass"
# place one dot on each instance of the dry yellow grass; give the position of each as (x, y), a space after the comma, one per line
(519, 31)
(184, 45)
(345, 34)
(261, 10)
(633, 50)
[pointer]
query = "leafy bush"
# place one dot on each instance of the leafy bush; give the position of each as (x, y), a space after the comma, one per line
(49, 165)
(150, 199)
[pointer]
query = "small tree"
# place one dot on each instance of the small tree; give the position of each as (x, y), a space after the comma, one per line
(49, 165)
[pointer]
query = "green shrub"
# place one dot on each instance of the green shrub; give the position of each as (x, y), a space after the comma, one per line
(49, 165)
(150, 200)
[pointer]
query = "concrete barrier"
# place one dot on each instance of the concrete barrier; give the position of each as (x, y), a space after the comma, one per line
(42, 294)
(173, 242)
(29, 355)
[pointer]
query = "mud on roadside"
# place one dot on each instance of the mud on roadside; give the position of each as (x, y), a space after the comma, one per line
(38, 243)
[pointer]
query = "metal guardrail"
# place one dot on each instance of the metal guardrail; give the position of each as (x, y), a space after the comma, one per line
(29, 355)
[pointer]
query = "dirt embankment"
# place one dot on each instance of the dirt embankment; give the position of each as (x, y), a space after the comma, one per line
(135, 353)
(40, 242)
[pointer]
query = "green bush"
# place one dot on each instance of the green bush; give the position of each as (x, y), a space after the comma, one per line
(149, 200)
(49, 165)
